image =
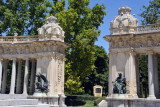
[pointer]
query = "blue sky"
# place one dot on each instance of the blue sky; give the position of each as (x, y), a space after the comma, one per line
(112, 7)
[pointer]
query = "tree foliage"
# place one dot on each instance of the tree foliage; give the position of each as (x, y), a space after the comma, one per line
(22, 16)
(99, 75)
(151, 13)
(143, 70)
(80, 24)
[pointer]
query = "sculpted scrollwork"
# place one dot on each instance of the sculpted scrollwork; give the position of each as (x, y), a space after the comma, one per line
(60, 70)
(124, 22)
(51, 30)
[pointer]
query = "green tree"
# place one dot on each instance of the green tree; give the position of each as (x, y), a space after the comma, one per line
(143, 69)
(22, 16)
(80, 24)
(99, 75)
(151, 13)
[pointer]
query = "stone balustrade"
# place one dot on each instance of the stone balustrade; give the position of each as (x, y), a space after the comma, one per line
(18, 39)
(148, 28)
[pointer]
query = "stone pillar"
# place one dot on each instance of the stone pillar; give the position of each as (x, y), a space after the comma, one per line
(13, 77)
(133, 81)
(52, 77)
(112, 72)
(18, 85)
(151, 77)
(26, 77)
(110, 87)
(156, 84)
(4, 81)
(0, 72)
(33, 72)
(62, 96)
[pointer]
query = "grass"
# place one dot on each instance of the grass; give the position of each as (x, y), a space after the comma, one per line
(89, 103)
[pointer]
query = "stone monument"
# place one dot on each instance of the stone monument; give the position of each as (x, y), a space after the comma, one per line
(45, 53)
(126, 42)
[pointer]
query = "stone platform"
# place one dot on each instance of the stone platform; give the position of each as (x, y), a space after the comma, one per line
(19, 100)
(130, 102)
(52, 101)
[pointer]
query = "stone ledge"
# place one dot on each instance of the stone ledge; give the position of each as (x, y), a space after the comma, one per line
(132, 102)
(138, 99)
(12, 96)
(18, 102)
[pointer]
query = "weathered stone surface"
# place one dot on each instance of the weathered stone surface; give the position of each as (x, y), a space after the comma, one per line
(103, 103)
(51, 30)
(123, 23)
(12, 96)
(18, 102)
(52, 101)
(139, 102)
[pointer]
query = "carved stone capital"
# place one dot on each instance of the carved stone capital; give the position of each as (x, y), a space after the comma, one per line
(39, 57)
(112, 53)
(64, 59)
(149, 52)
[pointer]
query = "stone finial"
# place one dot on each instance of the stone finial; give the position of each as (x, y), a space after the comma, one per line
(124, 10)
(52, 19)
(51, 30)
(124, 23)
(15, 34)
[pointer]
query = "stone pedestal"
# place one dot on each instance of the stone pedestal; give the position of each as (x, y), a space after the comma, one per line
(62, 101)
(130, 102)
(119, 96)
(52, 100)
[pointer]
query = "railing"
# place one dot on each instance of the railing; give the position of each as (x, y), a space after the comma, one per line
(148, 28)
(18, 39)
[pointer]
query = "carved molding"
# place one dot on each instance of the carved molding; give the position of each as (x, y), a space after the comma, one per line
(133, 41)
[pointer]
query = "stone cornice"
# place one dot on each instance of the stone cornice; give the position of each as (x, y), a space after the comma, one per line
(33, 48)
(133, 40)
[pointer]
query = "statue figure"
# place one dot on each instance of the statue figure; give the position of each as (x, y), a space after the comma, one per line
(119, 86)
(42, 83)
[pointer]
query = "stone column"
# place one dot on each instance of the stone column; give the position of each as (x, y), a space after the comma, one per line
(33, 72)
(18, 85)
(156, 84)
(13, 77)
(0, 72)
(52, 77)
(4, 81)
(110, 87)
(62, 96)
(26, 77)
(133, 81)
(151, 77)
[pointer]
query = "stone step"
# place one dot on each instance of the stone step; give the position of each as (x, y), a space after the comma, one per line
(39, 105)
(17, 102)
(12, 96)
(21, 106)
